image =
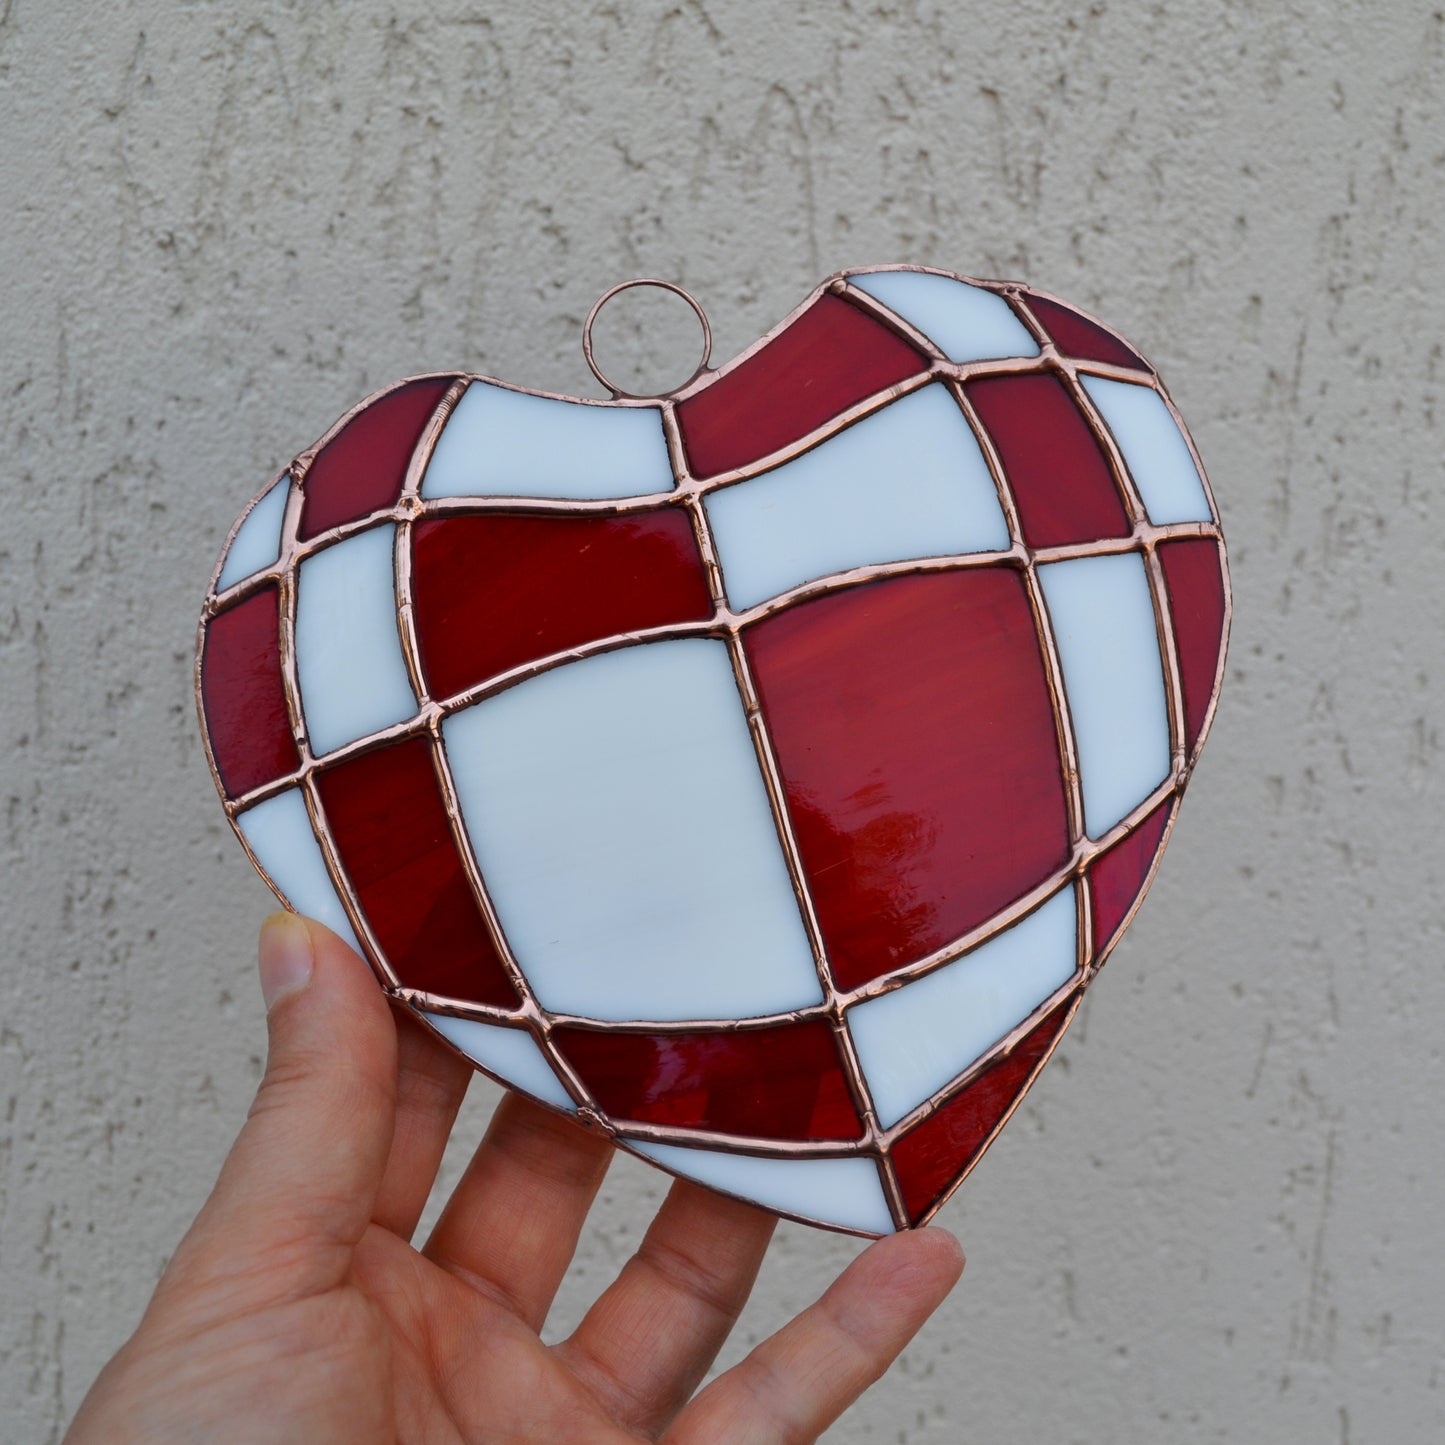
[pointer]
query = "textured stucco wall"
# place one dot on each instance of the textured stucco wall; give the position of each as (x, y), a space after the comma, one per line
(1217, 1217)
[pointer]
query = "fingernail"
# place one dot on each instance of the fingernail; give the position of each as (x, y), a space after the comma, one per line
(285, 957)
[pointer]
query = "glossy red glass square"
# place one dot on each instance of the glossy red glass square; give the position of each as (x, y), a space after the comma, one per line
(1117, 877)
(1077, 336)
(917, 743)
(500, 589)
(390, 828)
(243, 695)
(771, 1083)
(827, 360)
(362, 468)
(1061, 481)
(934, 1154)
(1194, 579)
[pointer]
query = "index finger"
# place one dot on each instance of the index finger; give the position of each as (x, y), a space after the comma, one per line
(432, 1081)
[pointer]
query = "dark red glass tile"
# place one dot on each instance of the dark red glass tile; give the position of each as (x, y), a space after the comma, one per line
(390, 827)
(1059, 475)
(1075, 335)
(830, 358)
(361, 469)
(1194, 578)
(938, 1151)
(774, 1083)
(919, 752)
(494, 591)
(1117, 877)
(241, 690)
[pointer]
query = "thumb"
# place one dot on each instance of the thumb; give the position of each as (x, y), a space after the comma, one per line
(300, 1182)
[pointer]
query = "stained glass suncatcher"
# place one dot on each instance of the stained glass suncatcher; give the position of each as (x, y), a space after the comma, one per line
(761, 771)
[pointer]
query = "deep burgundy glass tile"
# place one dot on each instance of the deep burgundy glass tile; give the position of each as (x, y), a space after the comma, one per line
(1117, 876)
(930, 1156)
(773, 1083)
(1060, 477)
(245, 702)
(919, 753)
(1194, 579)
(361, 469)
(387, 818)
(1077, 336)
(494, 591)
(830, 358)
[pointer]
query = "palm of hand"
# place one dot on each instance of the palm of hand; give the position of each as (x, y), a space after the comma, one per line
(297, 1309)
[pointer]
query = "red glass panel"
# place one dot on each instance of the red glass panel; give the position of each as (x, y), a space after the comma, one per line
(492, 592)
(245, 703)
(773, 1083)
(390, 827)
(1117, 877)
(1059, 475)
(933, 1154)
(1077, 336)
(361, 469)
(830, 358)
(1194, 578)
(918, 748)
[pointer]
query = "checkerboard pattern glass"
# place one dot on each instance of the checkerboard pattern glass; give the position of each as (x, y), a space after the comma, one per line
(761, 771)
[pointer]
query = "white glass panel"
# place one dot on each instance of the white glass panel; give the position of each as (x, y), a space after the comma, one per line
(512, 444)
(621, 823)
(257, 543)
(1103, 619)
(966, 323)
(908, 481)
(845, 1192)
(279, 833)
(919, 1038)
(348, 650)
(510, 1054)
(1154, 450)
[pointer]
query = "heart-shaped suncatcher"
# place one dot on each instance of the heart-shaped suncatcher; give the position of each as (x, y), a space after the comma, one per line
(760, 772)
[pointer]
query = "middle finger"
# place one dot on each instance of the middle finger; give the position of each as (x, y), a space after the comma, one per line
(511, 1226)
(651, 1335)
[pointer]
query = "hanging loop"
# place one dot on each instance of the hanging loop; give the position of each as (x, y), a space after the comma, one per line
(607, 295)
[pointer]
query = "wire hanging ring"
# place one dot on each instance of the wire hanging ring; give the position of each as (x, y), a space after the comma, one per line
(676, 290)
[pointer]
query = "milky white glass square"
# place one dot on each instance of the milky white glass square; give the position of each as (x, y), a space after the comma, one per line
(908, 481)
(348, 650)
(843, 1191)
(620, 819)
(966, 323)
(510, 1054)
(914, 1040)
(257, 543)
(1102, 613)
(278, 832)
(507, 443)
(1153, 448)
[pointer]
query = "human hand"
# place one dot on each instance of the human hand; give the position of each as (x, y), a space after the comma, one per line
(296, 1308)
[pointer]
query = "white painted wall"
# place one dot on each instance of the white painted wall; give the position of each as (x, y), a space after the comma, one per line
(1218, 1216)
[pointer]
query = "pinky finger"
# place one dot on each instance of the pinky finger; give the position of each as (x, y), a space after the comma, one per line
(795, 1384)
